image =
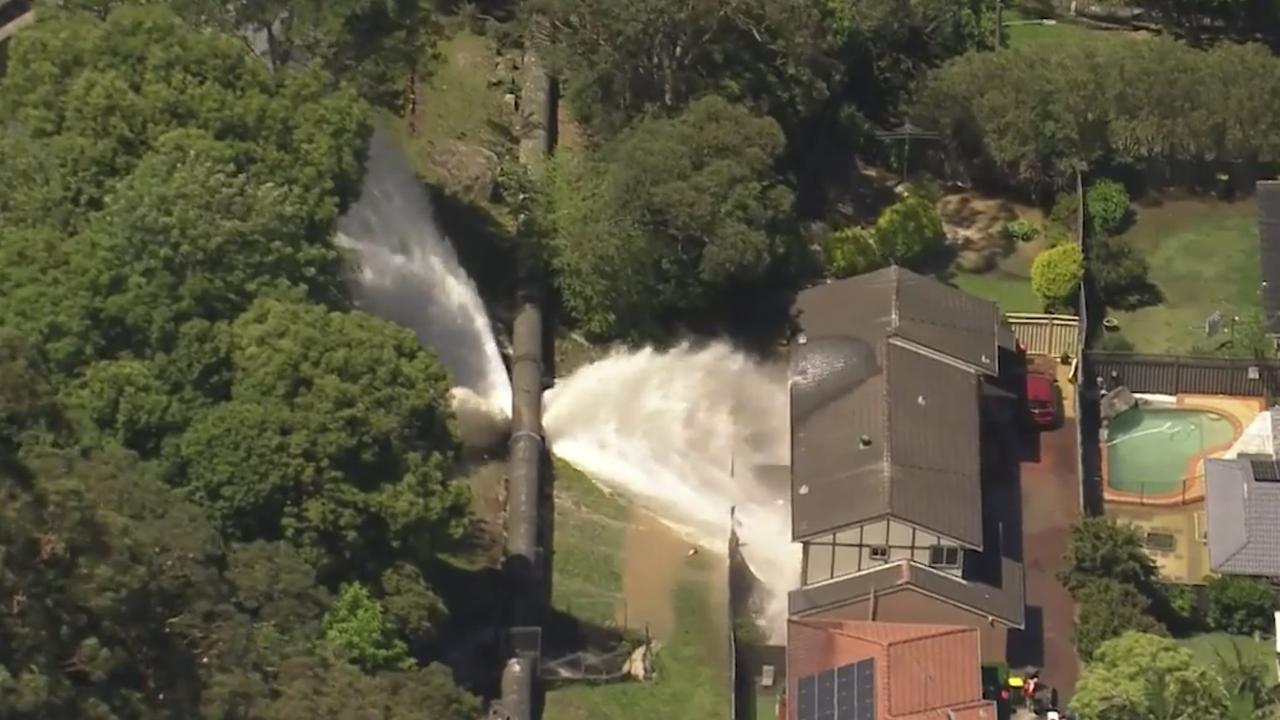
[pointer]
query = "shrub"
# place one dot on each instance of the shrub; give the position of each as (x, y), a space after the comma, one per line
(1065, 212)
(851, 251)
(1121, 274)
(1240, 605)
(1106, 205)
(909, 231)
(1020, 230)
(1108, 609)
(1056, 273)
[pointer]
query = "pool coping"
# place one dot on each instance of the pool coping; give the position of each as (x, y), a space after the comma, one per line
(1192, 486)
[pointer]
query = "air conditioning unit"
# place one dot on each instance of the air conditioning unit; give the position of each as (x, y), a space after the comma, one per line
(1254, 372)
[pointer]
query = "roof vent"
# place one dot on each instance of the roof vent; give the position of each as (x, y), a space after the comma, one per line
(864, 441)
(985, 360)
(920, 400)
(801, 339)
(804, 490)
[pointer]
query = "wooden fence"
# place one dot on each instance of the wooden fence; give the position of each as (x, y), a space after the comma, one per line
(1041, 334)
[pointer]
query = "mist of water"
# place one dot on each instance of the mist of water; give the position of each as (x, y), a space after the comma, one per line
(408, 272)
(687, 434)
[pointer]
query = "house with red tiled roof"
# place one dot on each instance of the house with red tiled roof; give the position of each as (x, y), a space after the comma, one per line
(866, 670)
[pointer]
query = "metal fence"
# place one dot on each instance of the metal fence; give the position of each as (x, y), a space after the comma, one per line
(1088, 493)
(1175, 374)
(1184, 491)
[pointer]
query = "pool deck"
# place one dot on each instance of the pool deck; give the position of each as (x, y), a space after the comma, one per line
(1240, 411)
(1183, 518)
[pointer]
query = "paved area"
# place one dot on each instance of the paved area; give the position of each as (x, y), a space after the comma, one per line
(1050, 502)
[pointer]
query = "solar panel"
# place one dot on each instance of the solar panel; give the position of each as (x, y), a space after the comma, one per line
(807, 698)
(826, 696)
(846, 693)
(1266, 470)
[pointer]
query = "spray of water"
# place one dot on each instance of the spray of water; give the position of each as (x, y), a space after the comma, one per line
(687, 434)
(408, 273)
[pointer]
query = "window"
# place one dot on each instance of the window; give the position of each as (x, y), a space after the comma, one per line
(879, 552)
(944, 556)
(1164, 542)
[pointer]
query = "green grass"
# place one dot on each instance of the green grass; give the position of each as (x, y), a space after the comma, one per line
(1204, 257)
(1062, 33)
(690, 684)
(457, 102)
(590, 527)
(1011, 292)
(691, 668)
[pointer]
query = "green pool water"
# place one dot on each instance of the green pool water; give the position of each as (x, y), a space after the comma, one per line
(1148, 448)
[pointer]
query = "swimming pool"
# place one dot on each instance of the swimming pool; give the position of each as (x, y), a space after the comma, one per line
(1153, 451)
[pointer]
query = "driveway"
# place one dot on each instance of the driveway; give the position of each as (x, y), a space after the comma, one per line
(1050, 500)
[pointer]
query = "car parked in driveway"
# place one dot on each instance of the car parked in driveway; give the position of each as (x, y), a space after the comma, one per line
(1044, 400)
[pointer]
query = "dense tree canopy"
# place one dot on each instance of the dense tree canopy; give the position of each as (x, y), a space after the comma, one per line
(376, 46)
(1075, 106)
(673, 216)
(200, 442)
(822, 70)
(1145, 677)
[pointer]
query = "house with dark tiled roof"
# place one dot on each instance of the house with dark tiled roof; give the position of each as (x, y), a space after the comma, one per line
(1242, 513)
(884, 671)
(892, 377)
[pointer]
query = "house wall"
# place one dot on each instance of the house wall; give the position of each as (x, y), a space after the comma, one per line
(908, 605)
(851, 550)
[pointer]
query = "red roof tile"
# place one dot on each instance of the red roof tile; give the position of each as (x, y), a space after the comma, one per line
(921, 670)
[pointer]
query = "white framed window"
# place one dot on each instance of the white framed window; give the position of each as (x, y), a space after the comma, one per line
(946, 556)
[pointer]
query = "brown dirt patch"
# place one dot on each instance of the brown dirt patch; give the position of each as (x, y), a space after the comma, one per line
(654, 560)
(975, 224)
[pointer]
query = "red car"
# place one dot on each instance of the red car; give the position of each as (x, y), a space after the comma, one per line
(1042, 400)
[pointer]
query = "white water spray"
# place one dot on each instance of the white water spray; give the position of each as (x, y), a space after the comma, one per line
(408, 273)
(686, 434)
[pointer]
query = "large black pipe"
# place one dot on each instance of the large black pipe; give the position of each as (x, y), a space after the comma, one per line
(524, 476)
(526, 562)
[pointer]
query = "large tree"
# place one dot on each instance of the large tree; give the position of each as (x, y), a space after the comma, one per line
(167, 178)
(1146, 677)
(674, 216)
(337, 438)
(1103, 549)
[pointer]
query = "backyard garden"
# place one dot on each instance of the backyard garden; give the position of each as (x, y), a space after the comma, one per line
(1136, 631)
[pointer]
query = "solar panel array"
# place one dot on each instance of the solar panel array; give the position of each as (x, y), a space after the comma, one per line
(845, 693)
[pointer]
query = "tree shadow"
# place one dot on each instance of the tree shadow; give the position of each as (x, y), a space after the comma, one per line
(486, 249)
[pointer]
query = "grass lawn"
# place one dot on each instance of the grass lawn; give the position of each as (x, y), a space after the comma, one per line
(692, 665)
(1204, 257)
(1011, 292)
(1063, 32)
(456, 102)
